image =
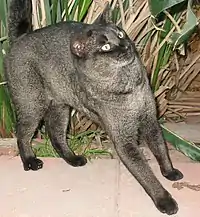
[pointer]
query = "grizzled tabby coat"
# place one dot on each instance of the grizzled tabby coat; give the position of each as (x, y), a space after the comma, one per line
(95, 69)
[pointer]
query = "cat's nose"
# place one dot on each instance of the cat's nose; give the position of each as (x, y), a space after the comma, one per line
(124, 45)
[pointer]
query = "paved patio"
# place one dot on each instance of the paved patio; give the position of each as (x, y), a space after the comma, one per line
(102, 188)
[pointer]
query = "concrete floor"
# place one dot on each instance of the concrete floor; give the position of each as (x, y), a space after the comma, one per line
(102, 188)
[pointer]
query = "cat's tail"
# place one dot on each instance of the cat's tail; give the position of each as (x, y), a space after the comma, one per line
(19, 19)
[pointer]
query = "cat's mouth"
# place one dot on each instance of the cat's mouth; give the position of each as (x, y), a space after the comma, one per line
(127, 62)
(126, 57)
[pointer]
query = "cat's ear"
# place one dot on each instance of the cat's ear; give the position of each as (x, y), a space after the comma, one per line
(79, 45)
(105, 17)
(78, 48)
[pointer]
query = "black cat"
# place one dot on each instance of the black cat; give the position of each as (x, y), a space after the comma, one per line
(96, 70)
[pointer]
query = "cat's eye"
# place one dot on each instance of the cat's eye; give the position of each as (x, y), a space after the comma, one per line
(106, 47)
(121, 35)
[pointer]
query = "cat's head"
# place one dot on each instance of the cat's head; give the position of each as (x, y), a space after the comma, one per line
(103, 40)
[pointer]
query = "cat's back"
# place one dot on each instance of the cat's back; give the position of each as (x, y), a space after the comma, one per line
(54, 38)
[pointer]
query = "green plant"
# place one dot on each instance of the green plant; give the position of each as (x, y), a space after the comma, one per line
(82, 143)
(7, 118)
(168, 39)
(186, 147)
(172, 35)
(158, 36)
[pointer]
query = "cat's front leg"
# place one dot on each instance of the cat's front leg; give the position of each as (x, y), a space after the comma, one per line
(128, 150)
(152, 133)
(56, 123)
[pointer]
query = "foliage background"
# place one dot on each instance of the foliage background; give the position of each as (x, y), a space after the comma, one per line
(165, 33)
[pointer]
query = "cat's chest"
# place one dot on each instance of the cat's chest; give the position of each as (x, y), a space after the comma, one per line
(124, 80)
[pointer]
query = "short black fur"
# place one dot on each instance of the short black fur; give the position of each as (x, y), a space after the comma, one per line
(97, 70)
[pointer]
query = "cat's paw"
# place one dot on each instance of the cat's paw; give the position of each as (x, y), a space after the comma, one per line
(174, 175)
(77, 161)
(167, 205)
(33, 163)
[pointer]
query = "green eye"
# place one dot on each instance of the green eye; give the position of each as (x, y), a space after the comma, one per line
(106, 47)
(121, 35)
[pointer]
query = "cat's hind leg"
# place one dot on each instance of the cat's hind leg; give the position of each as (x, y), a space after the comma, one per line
(27, 122)
(56, 124)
